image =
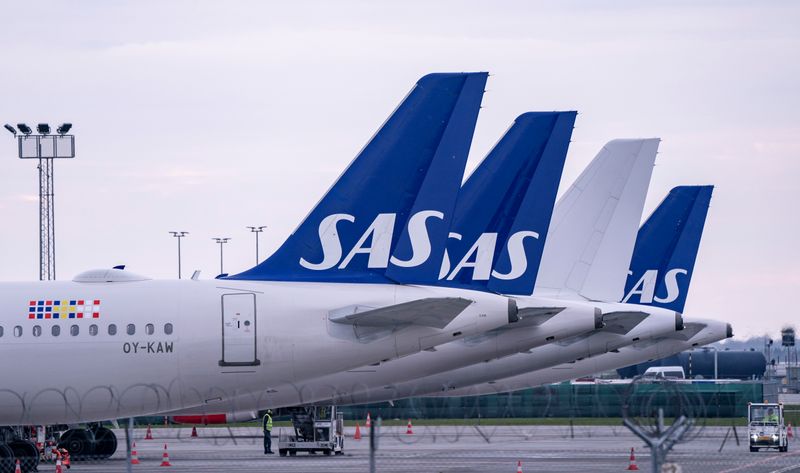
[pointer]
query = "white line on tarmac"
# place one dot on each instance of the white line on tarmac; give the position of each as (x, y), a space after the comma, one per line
(761, 462)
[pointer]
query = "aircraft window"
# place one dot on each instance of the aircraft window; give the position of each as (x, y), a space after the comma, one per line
(37, 330)
(112, 329)
(149, 329)
(74, 330)
(55, 331)
(131, 329)
(1, 330)
(168, 329)
(18, 331)
(93, 330)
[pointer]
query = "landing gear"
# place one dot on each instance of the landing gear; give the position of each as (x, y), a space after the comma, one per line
(78, 442)
(95, 443)
(14, 445)
(105, 443)
(26, 452)
(7, 462)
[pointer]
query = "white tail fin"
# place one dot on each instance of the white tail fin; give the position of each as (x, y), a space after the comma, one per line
(593, 231)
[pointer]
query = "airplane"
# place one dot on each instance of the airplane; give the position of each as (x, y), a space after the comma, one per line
(113, 344)
(666, 246)
(619, 174)
(522, 170)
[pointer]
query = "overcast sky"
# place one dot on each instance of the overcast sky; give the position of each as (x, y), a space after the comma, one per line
(209, 116)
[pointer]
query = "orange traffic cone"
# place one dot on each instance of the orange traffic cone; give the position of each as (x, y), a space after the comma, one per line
(17, 469)
(134, 455)
(357, 436)
(789, 433)
(58, 463)
(519, 466)
(149, 434)
(369, 421)
(632, 465)
(194, 431)
(165, 457)
(408, 428)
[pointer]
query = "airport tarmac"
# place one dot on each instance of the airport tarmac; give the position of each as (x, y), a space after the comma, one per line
(452, 449)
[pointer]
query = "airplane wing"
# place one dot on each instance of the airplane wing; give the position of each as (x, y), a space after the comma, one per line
(622, 322)
(434, 312)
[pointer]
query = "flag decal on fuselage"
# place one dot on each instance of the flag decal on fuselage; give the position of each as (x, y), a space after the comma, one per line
(64, 309)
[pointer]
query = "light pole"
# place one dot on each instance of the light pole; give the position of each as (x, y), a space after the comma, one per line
(257, 230)
(221, 241)
(45, 146)
(179, 235)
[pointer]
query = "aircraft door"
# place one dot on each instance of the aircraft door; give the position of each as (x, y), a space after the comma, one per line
(239, 330)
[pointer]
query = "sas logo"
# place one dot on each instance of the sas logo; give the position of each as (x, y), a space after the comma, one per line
(381, 232)
(645, 287)
(64, 309)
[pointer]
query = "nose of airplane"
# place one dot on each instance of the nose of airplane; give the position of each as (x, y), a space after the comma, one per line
(728, 331)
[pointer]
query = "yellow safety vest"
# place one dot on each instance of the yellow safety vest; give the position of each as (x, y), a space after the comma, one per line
(267, 422)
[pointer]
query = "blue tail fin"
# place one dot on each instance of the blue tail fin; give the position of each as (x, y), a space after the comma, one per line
(666, 249)
(504, 209)
(408, 175)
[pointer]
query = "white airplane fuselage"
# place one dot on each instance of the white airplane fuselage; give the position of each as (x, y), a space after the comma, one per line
(569, 319)
(181, 344)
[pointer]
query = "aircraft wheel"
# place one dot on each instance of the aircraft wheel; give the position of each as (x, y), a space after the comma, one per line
(27, 454)
(7, 462)
(282, 452)
(105, 443)
(79, 443)
(753, 449)
(292, 453)
(327, 452)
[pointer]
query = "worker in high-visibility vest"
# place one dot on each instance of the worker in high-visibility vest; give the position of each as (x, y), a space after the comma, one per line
(771, 416)
(266, 424)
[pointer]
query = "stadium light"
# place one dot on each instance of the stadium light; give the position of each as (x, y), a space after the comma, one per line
(24, 129)
(43, 128)
(11, 129)
(64, 128)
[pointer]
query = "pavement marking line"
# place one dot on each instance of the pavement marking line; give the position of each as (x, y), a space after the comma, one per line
(766, 460)
(786, 469)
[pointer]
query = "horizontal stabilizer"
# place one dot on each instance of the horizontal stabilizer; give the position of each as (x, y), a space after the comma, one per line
(690, 329)
(622, 322)
(434, 312)
(533, 316)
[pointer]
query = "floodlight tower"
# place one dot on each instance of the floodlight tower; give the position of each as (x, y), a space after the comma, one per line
(45, 147)
(257, 230)
(221, 241)
(179, 235)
